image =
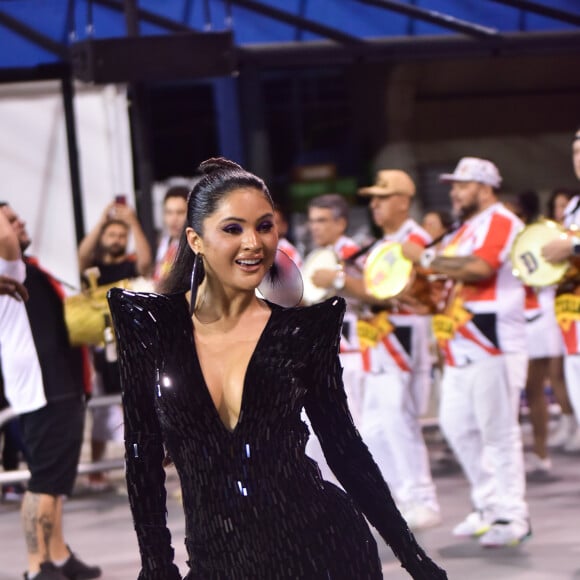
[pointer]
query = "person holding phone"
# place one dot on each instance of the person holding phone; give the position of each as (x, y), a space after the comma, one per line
(105, 247)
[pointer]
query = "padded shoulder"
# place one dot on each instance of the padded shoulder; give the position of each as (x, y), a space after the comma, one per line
(143, 305)
(323, 321)
(146, 315)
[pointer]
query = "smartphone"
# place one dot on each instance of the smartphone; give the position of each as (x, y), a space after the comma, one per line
(121, 199)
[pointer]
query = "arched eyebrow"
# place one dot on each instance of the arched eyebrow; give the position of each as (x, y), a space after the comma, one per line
(243, 221)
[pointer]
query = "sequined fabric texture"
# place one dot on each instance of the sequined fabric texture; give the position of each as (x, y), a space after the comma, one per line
(255, 505)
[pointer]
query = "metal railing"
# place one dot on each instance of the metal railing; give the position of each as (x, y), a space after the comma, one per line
(23, 475)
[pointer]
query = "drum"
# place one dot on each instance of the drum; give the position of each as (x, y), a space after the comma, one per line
(526, 254)
(387, 273)
(319, 259)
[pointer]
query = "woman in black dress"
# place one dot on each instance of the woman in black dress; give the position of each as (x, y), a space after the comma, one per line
(221, 388)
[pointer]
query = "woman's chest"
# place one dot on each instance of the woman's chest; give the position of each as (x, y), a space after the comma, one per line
(264, 384)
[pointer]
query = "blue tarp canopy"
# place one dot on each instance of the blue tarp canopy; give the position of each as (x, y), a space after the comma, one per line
(47, 39)
(36, 34)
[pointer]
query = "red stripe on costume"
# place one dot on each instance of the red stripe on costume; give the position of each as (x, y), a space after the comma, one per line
(397, 357)
(531, 299)
(470, 336)
(498, 232)
(570, 337)
(366, 359)
(348, 250)
(480, 291)
(447, 354)
(418, 239)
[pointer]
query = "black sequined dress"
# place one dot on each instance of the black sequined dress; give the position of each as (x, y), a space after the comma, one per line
(256, 507)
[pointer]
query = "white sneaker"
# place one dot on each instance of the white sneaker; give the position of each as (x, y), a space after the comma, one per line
(566, 428)
(535, 464)
(420, 517)
(572, 445)
(505, 533)
(474, 525)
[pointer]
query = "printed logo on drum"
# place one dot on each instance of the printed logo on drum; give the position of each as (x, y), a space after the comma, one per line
(529, 261)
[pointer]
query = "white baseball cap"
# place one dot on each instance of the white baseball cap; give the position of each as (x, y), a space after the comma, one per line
(474, 169)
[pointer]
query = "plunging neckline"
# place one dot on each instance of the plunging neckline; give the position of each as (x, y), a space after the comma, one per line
(205, 388)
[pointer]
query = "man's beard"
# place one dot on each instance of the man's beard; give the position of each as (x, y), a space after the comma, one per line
(464, 213)
(116, 250)
(24, 244)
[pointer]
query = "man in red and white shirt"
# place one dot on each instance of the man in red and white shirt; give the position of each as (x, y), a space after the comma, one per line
(397, 364)
(483, 338)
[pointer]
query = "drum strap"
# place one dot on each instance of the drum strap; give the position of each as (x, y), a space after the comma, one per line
(361, 252)
(452, 228)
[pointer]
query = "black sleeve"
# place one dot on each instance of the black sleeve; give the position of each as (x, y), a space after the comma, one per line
(347, 455)
(144, 451)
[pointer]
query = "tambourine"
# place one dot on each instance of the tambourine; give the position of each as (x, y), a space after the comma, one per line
(319, 259)
(526, 254)
(387, 273)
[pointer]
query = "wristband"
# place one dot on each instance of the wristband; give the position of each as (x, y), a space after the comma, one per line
(575, 245)
(427, 256)
(339, 279)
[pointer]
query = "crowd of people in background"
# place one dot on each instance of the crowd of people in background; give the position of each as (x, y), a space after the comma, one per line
(489, 337)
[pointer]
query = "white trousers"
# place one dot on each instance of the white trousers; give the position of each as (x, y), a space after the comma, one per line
(393, 402)
(572, 377)
(392, 431)
(479, 417)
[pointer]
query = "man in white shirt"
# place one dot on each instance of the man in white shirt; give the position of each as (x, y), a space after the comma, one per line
(52, 433)
(24, 391)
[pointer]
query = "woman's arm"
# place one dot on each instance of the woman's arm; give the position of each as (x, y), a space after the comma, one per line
(144, 451)
(348, 456)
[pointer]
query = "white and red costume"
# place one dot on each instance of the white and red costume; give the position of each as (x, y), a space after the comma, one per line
(486, 367)
(396, 389)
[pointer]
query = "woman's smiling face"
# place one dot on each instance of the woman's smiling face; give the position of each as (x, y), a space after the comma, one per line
(239, 240)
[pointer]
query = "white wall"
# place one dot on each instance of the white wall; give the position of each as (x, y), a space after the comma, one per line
(34, 173)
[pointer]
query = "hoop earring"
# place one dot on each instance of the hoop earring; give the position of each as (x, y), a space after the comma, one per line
(282, 284)
(196, 277)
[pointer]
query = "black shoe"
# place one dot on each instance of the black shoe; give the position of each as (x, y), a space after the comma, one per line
(48, 571)
(74, 569)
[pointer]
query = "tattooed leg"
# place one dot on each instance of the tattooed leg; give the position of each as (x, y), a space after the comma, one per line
(29, 513)
(38, 519)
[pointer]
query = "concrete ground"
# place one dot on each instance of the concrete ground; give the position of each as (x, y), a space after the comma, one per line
(99, 529)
